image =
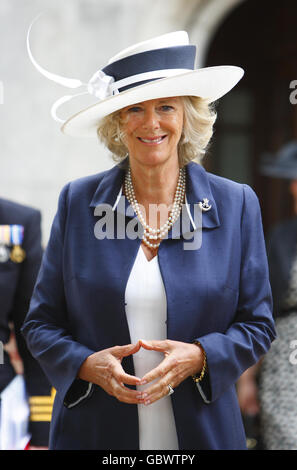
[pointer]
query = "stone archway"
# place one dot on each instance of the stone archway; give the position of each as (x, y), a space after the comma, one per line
(203, 23)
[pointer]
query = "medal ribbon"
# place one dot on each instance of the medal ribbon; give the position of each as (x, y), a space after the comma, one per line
(17, 234)
(5, 234)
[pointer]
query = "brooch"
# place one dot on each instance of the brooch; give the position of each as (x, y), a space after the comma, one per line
(204, 206)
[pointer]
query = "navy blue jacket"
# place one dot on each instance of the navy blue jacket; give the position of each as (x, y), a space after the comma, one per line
(219, 294)
(16, 286)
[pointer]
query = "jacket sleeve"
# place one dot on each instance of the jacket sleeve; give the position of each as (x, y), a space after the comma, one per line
(35, 379)
(249, 336)
(46, 326)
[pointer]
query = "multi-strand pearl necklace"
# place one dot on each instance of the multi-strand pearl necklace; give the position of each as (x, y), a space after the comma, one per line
(151, 233)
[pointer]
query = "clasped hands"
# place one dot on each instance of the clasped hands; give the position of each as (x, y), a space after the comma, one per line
(104, 368)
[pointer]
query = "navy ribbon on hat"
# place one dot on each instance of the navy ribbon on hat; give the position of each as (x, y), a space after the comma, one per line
(161, 60)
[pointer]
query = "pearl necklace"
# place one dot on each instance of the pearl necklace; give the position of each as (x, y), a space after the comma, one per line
(151, 233)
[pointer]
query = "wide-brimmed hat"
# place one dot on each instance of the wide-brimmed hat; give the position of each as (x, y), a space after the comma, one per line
(158, 68)
(283, 164)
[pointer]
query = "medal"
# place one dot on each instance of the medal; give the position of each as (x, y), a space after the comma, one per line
(4, 253)
(17, 254)
(11, 235)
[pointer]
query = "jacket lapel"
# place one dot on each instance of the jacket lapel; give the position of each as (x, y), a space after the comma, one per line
(197, 189)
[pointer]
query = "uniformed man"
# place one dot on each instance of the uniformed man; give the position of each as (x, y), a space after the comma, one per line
(20, 257)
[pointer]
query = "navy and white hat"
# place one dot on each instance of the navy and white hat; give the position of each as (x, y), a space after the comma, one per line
(158, 68)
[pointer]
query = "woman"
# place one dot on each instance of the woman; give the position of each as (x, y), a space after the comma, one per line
(143, 338)
(269, 388)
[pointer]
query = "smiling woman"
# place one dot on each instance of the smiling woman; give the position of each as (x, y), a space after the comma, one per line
(152, 130)
(199, 118)
(143, 339)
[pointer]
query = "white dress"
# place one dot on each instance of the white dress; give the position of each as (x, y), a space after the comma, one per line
(146, 310)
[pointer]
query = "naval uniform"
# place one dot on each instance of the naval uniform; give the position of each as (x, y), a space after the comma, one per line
(20, 229)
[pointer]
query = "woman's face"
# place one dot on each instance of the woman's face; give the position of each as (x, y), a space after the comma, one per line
(152, 129)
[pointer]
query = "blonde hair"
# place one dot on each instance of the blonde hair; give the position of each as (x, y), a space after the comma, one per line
(199, 119)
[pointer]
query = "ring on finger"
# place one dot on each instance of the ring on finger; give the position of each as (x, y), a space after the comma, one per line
(170, 390)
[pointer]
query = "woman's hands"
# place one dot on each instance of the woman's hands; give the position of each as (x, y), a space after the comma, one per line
(181, 361)
(104, 368)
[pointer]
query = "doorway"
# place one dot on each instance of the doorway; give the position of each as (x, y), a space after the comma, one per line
(257, 117)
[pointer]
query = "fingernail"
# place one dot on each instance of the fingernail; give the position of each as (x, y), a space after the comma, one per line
(143, 382)
(147, 402)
